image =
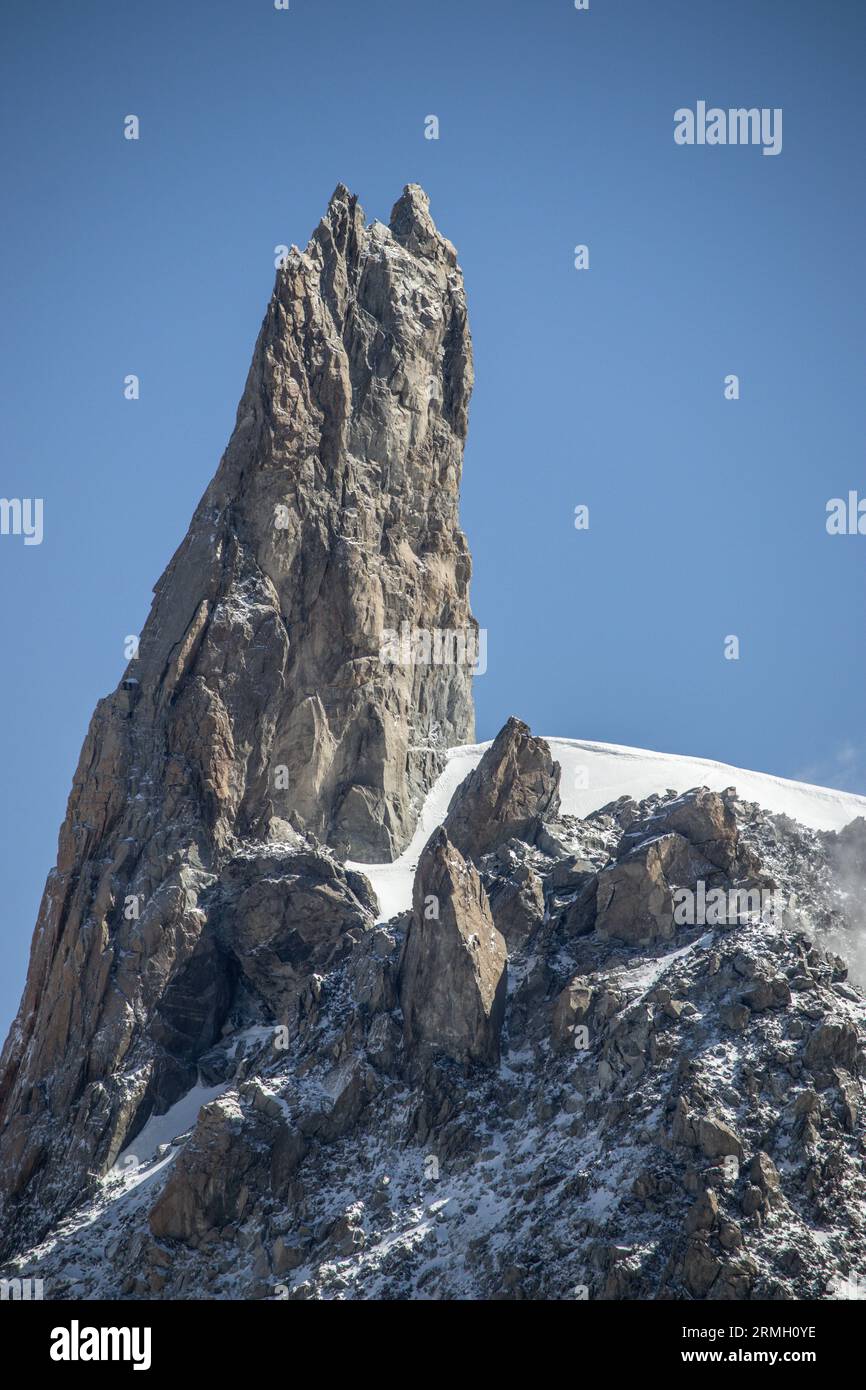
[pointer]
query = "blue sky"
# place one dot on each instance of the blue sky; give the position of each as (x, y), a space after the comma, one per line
(602, 387)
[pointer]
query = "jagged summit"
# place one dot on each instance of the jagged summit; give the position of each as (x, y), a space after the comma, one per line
(264, 700)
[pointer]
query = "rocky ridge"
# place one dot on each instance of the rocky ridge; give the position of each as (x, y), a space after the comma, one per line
(656, 1109)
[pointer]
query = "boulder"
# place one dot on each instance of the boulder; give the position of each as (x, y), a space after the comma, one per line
(834, 1043)
(718, 1140)
(764, 1174)
(634, 900)
(700, 1267)
(703, 818)
(703, 1213)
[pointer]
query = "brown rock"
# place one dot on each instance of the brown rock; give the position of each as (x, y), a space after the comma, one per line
(730, 1235)
(735, 1016)
(703, 1213)
(230, 1156)
(768, 994)
(834, 1043)
(453, 973)
(571, 1008)
(718, 1140)
(700, 1267)
(506, 796)
(702, 818)
(752, 1200)
(634, 898)
(765, 1175)
(272, 681)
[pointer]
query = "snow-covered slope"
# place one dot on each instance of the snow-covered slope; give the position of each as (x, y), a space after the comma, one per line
(594, 774)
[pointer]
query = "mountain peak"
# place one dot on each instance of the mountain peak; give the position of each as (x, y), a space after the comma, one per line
(267, 691)
(413, 227)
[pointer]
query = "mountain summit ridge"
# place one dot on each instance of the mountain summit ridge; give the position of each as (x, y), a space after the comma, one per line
(326, 1002)
(259, 704)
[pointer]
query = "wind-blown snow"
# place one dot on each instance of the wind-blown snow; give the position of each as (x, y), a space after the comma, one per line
(612, 770)
(594, 774)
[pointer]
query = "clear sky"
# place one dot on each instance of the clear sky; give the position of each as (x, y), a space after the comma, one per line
(601, 387)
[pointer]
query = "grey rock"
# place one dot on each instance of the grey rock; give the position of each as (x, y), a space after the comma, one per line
(284, 916)
(517, 904)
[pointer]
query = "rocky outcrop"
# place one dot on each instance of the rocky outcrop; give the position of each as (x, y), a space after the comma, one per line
(509, 793)
(634, 896)
(284, 915)
(219, 1169)
(307, 658)
(681, 843)
(702, 818)
(647, 1135)
(453, 975)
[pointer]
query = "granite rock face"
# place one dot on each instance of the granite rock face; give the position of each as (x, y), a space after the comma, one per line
(453, 976)
(512, 789)
(556, 1074)
(671, 1114)
(306, 661)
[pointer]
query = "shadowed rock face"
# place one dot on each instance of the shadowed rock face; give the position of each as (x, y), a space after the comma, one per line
(453, 976)
(260, 695)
